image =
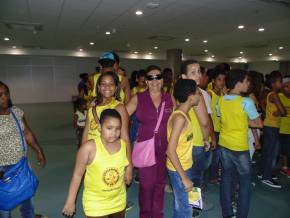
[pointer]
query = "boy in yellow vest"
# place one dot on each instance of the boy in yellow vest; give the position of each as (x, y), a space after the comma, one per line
(285, 126)
(271, 143)
(237, 114)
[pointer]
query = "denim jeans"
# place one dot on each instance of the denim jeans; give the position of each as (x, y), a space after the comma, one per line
(285, 146)
(235, 162)
(201, 161)
(271, 147)
(26, 209)
(181, 206)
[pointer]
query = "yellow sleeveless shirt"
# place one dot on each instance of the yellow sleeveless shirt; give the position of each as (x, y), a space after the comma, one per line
(234, 125)
(285, 121)
(216, 120)
(136, 90)
(93, 132)
(184, 145)
(94, 92)
(271, 120)
(104, 185)
(197, 133)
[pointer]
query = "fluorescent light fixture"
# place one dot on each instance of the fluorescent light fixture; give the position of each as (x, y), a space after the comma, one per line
(261, 29)
(187, 39)
(270, 54)
(212, 56)
(204, 41)
(139, 13)
(108, 33)
(6, 39)
(92, 43)
(136, 52)
(241, 27)
(240, 57)
(156, 47)
(241, 52)
(205, 50)
(281, 47)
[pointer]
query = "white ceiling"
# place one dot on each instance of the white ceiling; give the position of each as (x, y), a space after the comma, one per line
(72, 24)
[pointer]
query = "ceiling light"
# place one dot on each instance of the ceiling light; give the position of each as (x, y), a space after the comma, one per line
(187, 39)
(152, 5)
(6, 39)
(136, 52)
(261, 29)
(150, 53)
(92, 43)
(156, 47)
(205, 50)
(212, 56)
(108, 33)
(204, 41)
(270, 54)
(81, 49)
(241, 52)
(240, 57)
(139, 13)
(281, 47)
(241, 27)
(14, 46)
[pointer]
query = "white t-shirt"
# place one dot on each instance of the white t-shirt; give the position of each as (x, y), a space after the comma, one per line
(207, 100)
(81, 122)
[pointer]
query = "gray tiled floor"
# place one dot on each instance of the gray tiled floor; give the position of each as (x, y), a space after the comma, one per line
(52, 124)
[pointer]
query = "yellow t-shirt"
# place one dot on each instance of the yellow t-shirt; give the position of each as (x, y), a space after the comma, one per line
(93, 125)
(198, 137)
(234, 125)
(93, 93)
(216, 119)
(104, 185)
(285, 121)
(184, 145)
(271, 120)
(136, 90)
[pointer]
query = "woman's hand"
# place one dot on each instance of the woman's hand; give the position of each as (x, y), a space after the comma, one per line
(41, 158)
(187, 184)
(69, 209)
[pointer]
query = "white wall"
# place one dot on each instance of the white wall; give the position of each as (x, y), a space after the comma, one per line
(264, 67)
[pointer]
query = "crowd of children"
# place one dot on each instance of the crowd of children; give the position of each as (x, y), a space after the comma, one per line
(213, 121)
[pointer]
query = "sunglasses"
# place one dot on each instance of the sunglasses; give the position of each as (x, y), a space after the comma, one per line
(155, 77)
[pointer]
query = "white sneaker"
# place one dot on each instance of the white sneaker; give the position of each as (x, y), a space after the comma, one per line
(271, 183)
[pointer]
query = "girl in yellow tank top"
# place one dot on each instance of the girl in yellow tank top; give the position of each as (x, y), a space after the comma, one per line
(103, 162)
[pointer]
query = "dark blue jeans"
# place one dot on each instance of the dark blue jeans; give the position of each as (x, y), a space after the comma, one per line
(201, 161)
(26, 209)
(235, 162)
(271, 147)
(181, 206)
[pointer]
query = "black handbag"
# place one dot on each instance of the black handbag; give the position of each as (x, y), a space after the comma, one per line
(18, 183)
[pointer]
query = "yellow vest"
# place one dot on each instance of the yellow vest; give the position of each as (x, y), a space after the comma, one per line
(234, 125)
(216, 120)
(209, 86)
(285, 121)
(271, 120)
(136, 90)
(104, 185)
(94, 92)
(197, 133)
(184, 145)
(93, 132)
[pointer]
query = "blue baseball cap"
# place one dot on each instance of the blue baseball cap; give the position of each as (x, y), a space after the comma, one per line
(107, 56)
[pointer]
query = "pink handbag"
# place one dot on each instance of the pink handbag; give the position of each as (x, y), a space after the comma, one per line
(144, 152)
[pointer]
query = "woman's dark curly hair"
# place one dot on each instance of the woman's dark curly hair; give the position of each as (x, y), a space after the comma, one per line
(7, 88)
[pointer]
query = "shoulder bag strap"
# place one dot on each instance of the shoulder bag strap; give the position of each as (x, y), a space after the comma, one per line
(20, 132)
(160, 117)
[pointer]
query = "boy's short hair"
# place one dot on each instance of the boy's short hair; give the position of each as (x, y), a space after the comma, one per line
(113, 113)
(183, 88)
(234, 76)
(184, 65)
(218, 72)
(273, 77)
(141, 73)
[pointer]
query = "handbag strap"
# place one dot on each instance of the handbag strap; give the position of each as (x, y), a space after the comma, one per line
(160, 117)
(20, 132)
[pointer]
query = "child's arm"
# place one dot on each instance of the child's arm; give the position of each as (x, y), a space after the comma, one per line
(274, 98)
(86, 130)
(178, 123)
(75, 120)
(82, 160)
(257, 139)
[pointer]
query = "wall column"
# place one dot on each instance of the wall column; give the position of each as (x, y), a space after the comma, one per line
(284, 67)
(173, 57)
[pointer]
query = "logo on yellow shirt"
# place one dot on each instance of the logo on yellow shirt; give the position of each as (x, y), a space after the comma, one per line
(111, 176)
